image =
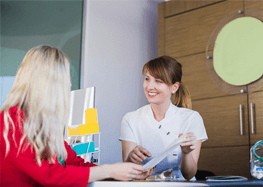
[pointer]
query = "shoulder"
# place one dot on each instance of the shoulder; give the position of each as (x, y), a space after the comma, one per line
(188, 113)
(137, 113)
(15, 113)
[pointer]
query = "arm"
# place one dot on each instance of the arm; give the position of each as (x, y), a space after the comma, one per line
(131, 152)
(190, 155)
(120, 171)
(127, 147)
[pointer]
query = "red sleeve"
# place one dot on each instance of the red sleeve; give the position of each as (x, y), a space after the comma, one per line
(72, 174)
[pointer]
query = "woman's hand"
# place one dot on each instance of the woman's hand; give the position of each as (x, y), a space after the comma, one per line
(122, 171)
(189, 144)
(138, 154)
(127, 171)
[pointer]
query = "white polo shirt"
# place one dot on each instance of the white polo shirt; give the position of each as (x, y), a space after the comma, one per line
(141, 127)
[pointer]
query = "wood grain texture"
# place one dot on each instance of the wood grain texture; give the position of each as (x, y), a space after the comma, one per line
(222, 120)
(161, 30)
(225, 161)
(254, 8)
(179, 6)
(188, 33)
(198, 80)
(257, 99)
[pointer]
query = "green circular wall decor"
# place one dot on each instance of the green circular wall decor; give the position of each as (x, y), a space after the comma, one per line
(238, 51)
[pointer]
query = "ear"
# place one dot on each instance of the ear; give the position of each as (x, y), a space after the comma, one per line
(175, 87)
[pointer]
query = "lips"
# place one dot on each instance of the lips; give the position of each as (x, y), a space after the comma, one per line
(152, 94)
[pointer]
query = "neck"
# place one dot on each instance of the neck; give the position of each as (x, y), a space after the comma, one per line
(159, 111)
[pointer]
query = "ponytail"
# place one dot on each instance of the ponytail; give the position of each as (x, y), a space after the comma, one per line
(182, 97)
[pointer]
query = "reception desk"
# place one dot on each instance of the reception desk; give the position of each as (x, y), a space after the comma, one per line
(174, 183)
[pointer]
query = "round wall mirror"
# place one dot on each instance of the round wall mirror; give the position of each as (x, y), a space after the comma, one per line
(235, 52)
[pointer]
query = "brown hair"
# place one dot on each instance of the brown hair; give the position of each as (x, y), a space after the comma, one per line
(169, 71)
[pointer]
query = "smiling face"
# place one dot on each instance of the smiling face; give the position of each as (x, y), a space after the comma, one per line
(156, 91)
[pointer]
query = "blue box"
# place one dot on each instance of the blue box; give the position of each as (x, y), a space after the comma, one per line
(81, 149)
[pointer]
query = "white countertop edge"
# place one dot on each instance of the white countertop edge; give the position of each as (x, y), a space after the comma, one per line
(142, 184)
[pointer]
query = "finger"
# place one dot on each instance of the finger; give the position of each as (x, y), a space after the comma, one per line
(140, 177)
(132, 176)
(135, 172)
(144, 175)
(140, 154)
(133, 159)
(190, 135)
(192, 140)
(136, 158)
(145, 152)
(185, 144)
(137, 167)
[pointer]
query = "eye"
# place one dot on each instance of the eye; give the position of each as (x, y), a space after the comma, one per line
(146, 78)
(159, 81)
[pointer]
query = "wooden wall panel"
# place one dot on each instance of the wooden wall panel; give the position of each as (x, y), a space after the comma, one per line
(257, 99)
(179, 6)
(253, 4)
(161, 31)
(197, 79)
(258, 5)
(189, 33)
(222, 120)
(225, 161)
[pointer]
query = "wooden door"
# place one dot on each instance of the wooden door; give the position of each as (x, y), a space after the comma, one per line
(255, 9)
(198, 80)
(222, 120)
(256, 116)
(226, 152)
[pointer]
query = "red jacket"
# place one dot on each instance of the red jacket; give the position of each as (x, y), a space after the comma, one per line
(23, 170)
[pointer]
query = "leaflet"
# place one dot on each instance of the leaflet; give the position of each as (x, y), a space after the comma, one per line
(153, 162)
(225, 178)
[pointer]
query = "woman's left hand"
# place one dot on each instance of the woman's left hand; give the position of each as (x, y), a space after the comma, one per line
(189, 144)
(147, 173)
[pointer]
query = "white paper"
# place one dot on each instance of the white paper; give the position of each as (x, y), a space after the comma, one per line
(226, 178)
(164, 153)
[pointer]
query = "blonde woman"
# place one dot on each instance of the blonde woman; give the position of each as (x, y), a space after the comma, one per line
(32, 123)
(150, 129)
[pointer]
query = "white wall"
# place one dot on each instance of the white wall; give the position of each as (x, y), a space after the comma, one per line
(6, 83)
(120, 37)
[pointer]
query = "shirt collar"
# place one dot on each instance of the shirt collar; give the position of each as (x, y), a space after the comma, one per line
(169, 113)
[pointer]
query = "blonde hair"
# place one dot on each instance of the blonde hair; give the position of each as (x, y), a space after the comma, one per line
(42, 90)
(169, 71)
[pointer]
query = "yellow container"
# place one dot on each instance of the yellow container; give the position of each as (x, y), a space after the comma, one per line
(90, 127)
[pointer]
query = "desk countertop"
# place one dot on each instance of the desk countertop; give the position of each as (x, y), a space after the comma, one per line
(174, 183)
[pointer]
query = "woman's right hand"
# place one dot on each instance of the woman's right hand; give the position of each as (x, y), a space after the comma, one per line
(125, 171)
(122, 171)
(138, 154)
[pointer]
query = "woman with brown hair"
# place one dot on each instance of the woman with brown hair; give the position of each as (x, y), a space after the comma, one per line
(32, 125)
(150, 129)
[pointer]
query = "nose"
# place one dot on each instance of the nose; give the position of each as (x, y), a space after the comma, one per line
(150, 85)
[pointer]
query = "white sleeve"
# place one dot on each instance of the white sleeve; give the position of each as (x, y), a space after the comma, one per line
(127, 133)
(197, 127)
